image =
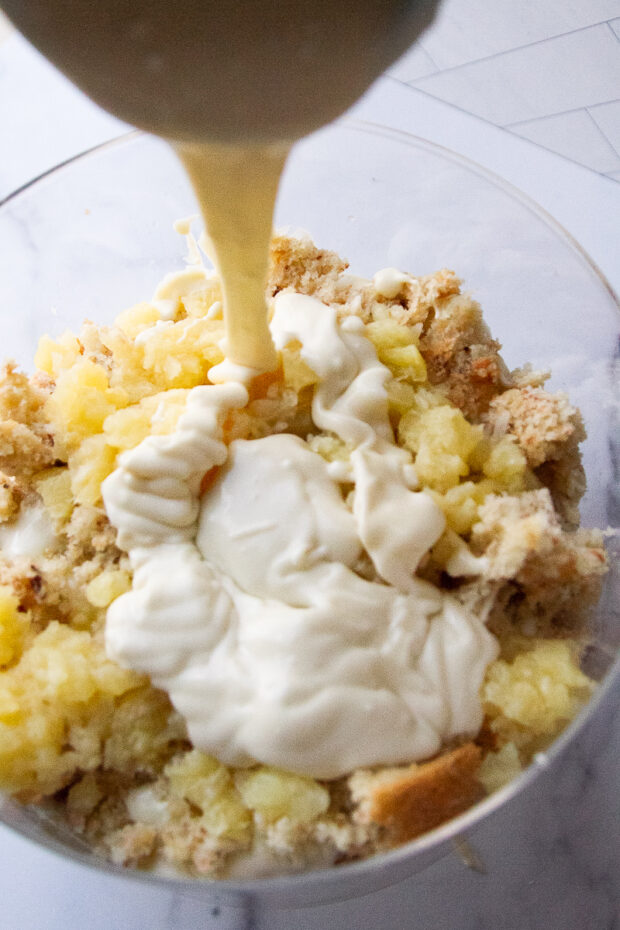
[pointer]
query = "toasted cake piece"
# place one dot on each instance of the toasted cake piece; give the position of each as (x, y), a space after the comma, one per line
(542, 422)
(26, 443)
(409, 801)
(548, 429)
(552, 576)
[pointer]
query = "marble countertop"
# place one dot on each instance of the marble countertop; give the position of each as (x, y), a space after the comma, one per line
(547, 860)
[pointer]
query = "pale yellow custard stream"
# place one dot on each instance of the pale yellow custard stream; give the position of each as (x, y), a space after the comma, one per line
(236, 187)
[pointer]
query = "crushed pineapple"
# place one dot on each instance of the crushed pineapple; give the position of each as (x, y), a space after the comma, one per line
(83, 796)
(274, 794)
(443, 441)
(208, 785)
(192, 290)
(205, 300)
(330, 448)
(13, 626)
(398, 349)
(447, 448)
(61, 693)
(107, 586)
(55, 356)
(81, 401)
(180, 355)
(406, 362)
(401, 397)
(135, 320)
(54, 486)
(388, 334)
(536, 692)
(146, 732)
(93, 461)
(461, 504)
(297, 373)
(155, 415)
(506, 466)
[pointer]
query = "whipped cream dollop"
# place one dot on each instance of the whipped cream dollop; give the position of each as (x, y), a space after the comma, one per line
(30, 534)
(246, 605)
(388, 282)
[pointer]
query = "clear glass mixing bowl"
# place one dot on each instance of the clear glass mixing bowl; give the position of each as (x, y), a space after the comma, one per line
(95, 235)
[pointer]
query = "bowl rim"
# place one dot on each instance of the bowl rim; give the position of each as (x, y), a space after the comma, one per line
(457, 827)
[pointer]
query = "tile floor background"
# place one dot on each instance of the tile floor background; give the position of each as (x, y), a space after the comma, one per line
(546, 70)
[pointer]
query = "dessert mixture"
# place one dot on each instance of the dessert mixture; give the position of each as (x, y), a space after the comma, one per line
(254, 623)
(291, 582)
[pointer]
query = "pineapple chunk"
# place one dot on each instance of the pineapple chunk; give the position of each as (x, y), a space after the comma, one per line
(198, 303)
(453, 555)
(330, 448)
(193, 291)
(81, 402)
(540, 690)
(405, 362)
(274, 794)
(401, 397)
(107, 586)
(397, 348)
(145, 734)
(54, 486)
(63, 680)
(180, 355)
(128, 372)
(506, 466)
(297, 374)
(84, 796)
(208, 785)
(53, 357)
(155, 415)
(424, 398)
(461, 504)
(13, 626)
(89, 466)
(134, 320)
(442, 441)
(388, 334)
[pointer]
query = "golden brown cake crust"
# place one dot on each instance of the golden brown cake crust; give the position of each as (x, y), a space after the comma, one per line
(541, 422)
(411, 801)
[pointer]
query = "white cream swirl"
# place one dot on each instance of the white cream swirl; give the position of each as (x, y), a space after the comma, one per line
(246, 608)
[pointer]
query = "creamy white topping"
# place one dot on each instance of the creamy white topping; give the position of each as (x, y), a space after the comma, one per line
(397, 527)
(144, 807)
(146, 334)
(389, 282)
(29, 535)
(152, 498)
(215, 311)
(174, 286)
(246, 607)
(228, 371)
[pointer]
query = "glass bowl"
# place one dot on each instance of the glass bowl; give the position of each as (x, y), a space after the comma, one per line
(95, 235)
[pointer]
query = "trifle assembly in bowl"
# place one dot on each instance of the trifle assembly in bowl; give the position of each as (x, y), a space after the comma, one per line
(255, 628)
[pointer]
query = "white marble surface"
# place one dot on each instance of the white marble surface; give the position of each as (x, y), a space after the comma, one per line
(548, 860)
